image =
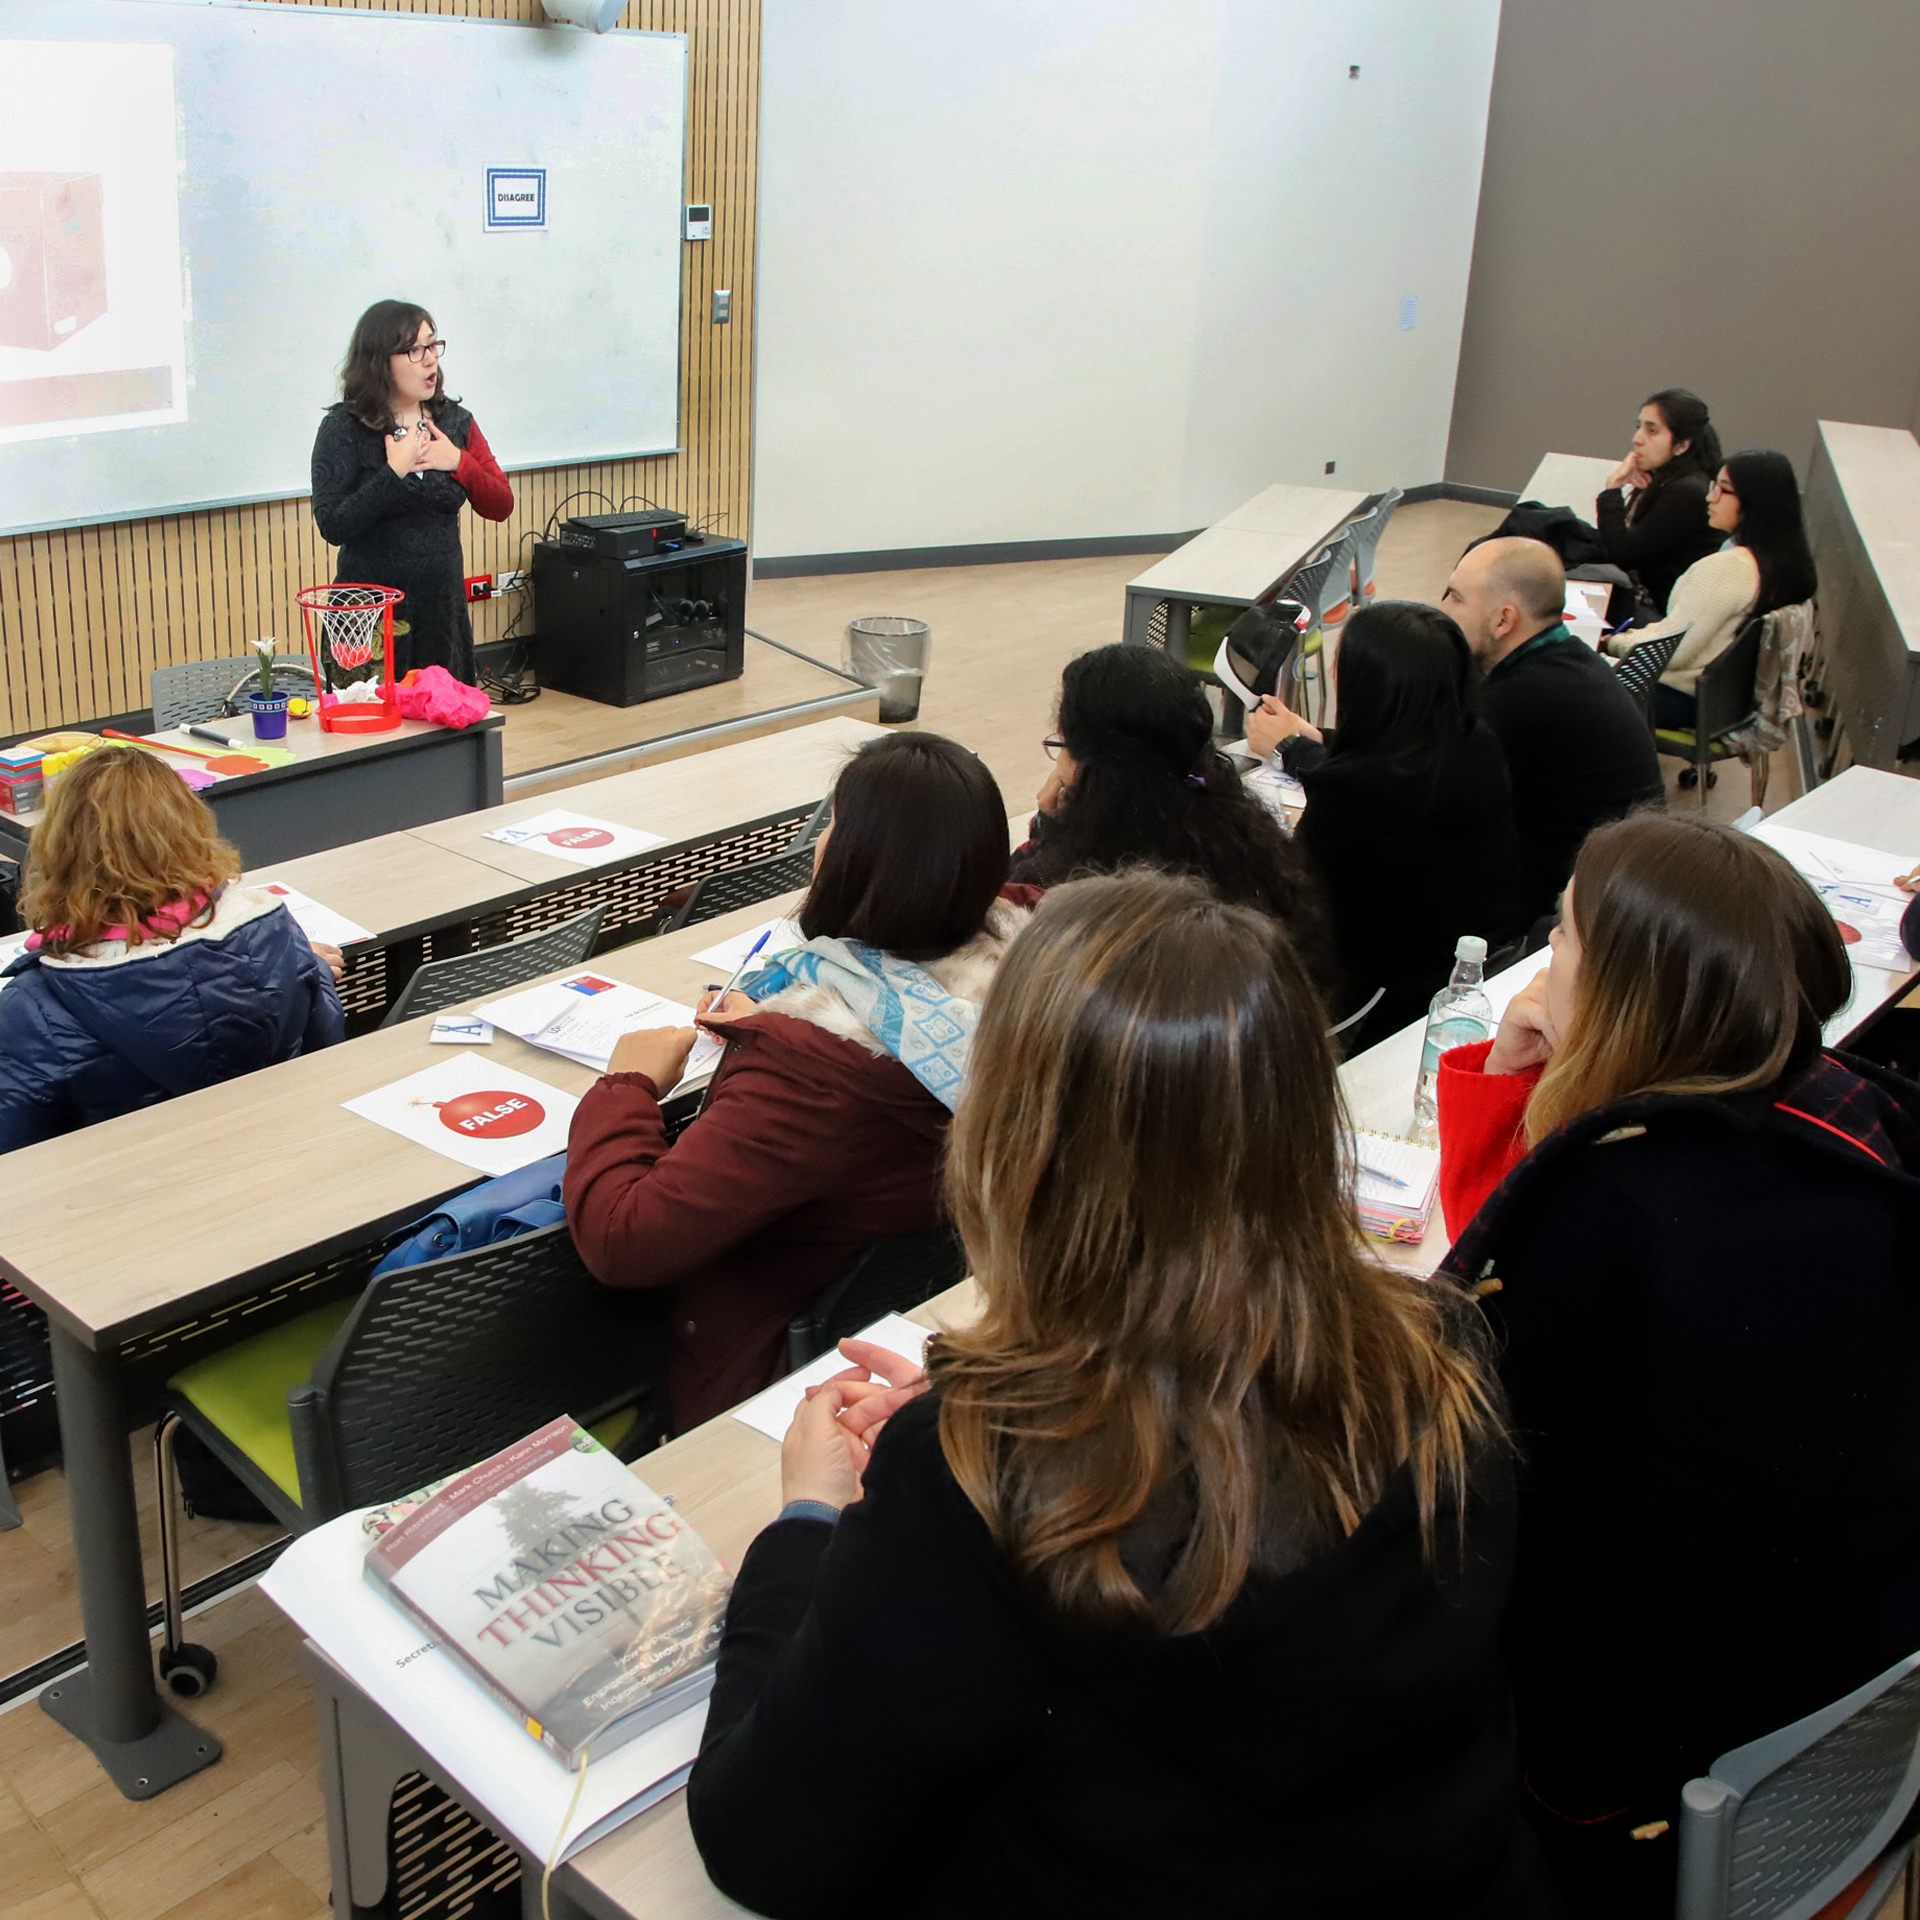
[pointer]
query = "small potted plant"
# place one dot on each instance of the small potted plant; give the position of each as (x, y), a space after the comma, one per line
(269, 708)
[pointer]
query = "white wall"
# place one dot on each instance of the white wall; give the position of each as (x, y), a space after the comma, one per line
(1103, 267)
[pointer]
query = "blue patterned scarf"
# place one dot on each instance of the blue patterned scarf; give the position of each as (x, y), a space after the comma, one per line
(926, 1028)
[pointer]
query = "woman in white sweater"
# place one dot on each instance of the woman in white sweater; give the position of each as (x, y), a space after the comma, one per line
(1764, 564)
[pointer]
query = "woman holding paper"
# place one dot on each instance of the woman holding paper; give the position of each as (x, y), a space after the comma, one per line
(827, 1117)
(393, 463)
(1175, 1587)
(1697, 1234)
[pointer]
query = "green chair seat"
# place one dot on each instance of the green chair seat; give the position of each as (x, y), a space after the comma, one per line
(1207, 626)
(242, 1392)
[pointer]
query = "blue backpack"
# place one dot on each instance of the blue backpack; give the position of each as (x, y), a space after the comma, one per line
(499, 1209)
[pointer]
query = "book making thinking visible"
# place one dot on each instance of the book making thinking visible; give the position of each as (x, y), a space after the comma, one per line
(565, 1584)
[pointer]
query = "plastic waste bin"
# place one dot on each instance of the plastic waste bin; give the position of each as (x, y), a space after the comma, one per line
(889, 653)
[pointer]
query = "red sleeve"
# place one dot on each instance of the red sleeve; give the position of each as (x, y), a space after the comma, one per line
(644, 1214)
(1481, 1141)
(489, 491)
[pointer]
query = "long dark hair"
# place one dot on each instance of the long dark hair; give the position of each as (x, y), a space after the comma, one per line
(1771, 527)
(917, 852)
(1146, 1167)
(1152, 788)
(1687, 419)
(1707, 965)
(366, 381)
(1407, 684)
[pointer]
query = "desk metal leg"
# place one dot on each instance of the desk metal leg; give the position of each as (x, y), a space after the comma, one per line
(1139, 619)
(113, 1705)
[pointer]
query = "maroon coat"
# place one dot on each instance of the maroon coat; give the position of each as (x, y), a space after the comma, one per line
(811, 1147)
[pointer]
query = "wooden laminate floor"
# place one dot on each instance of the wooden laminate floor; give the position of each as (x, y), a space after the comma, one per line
(244, 1841)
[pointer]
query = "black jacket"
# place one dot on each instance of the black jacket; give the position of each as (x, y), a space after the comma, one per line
(395, 532)
(1410, 857)
(1710, 1314)
(1665, 536)
(892, 1712)
(1579, 752)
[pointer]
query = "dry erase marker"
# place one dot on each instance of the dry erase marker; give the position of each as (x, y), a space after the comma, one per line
(207, 733)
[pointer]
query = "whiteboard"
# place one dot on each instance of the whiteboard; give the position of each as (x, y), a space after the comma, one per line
(199, 197)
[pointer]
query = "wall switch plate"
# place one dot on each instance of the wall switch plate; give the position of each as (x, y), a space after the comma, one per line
(480, 586)
(1409, 313)
(698, 223)
(511, 578)
(722, 306)
(1330, 466)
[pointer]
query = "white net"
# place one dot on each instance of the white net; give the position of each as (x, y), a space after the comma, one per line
(347, 630)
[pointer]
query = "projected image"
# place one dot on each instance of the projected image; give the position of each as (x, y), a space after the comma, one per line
(92, 304)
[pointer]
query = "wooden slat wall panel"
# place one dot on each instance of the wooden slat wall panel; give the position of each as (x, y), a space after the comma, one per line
(85, 615)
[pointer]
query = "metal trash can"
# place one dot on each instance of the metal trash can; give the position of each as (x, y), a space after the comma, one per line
(889, 653)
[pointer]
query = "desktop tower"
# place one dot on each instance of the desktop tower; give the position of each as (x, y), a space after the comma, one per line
(53, 259)
(622, 631)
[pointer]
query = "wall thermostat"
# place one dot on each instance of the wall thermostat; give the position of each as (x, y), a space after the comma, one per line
(699, 223)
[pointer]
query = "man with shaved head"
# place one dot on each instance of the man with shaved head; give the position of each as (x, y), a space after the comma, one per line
(1579, 751)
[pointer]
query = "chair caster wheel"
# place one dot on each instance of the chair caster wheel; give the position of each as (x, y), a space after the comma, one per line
(1689, 777)
(189, 1670)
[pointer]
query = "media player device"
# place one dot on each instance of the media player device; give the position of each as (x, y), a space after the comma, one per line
(627, 536)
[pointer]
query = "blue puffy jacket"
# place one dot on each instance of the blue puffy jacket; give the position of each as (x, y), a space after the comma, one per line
(84, 1038)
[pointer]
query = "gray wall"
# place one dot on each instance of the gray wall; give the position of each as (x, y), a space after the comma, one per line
(1716, 194)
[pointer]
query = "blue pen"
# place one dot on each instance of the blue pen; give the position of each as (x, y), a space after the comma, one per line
(745, 962)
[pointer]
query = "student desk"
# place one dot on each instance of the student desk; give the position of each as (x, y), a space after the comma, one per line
(1870, 809)
(338, 788)
(131, 1237)
(1863, 522)
(1238, 561)
(724, 1479)
(446, 889)
(1569, 480)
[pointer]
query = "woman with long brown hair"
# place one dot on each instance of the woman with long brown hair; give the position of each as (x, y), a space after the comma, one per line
(1176, 1589)
(1701, 1256)
(149, 969)
(394, 461)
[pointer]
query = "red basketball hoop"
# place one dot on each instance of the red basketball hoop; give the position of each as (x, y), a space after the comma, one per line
(350, 643)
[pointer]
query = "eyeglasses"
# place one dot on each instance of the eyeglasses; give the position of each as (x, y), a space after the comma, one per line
(1055, 748)
(416, 354)
(1719, 490)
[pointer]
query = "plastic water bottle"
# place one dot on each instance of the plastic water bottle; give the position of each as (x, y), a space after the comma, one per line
(1460, 1015)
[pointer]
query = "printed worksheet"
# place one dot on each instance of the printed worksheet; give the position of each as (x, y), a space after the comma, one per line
(314, 920)
(1857, 884)
(726, 955)
(576, 838)
(584, 1016)
(486, 1116)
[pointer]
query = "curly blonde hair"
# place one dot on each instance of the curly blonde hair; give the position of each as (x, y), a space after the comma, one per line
(122, 837)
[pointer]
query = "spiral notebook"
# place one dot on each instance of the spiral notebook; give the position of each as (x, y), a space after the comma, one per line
(1395, 1183)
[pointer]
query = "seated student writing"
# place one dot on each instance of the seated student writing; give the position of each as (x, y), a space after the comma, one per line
(1765, 564)
(1652, 512)
(149, 971)
(1178, 1589)
(1409, 817)
(1137, 780)
(827, 1118)
(1696, 1231)
(1577, 746)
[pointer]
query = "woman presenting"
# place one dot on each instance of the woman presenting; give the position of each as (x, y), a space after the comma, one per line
(393, 463)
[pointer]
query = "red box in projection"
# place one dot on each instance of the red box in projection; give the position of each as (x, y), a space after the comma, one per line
(53, 261)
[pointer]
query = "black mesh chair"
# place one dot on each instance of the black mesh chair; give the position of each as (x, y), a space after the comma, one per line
(721, 892)
(1641, 669)
(1794, 1823)
(1723, 705)
(445, 983)
(432, 1368)
(199, 690)
(891, 1276)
